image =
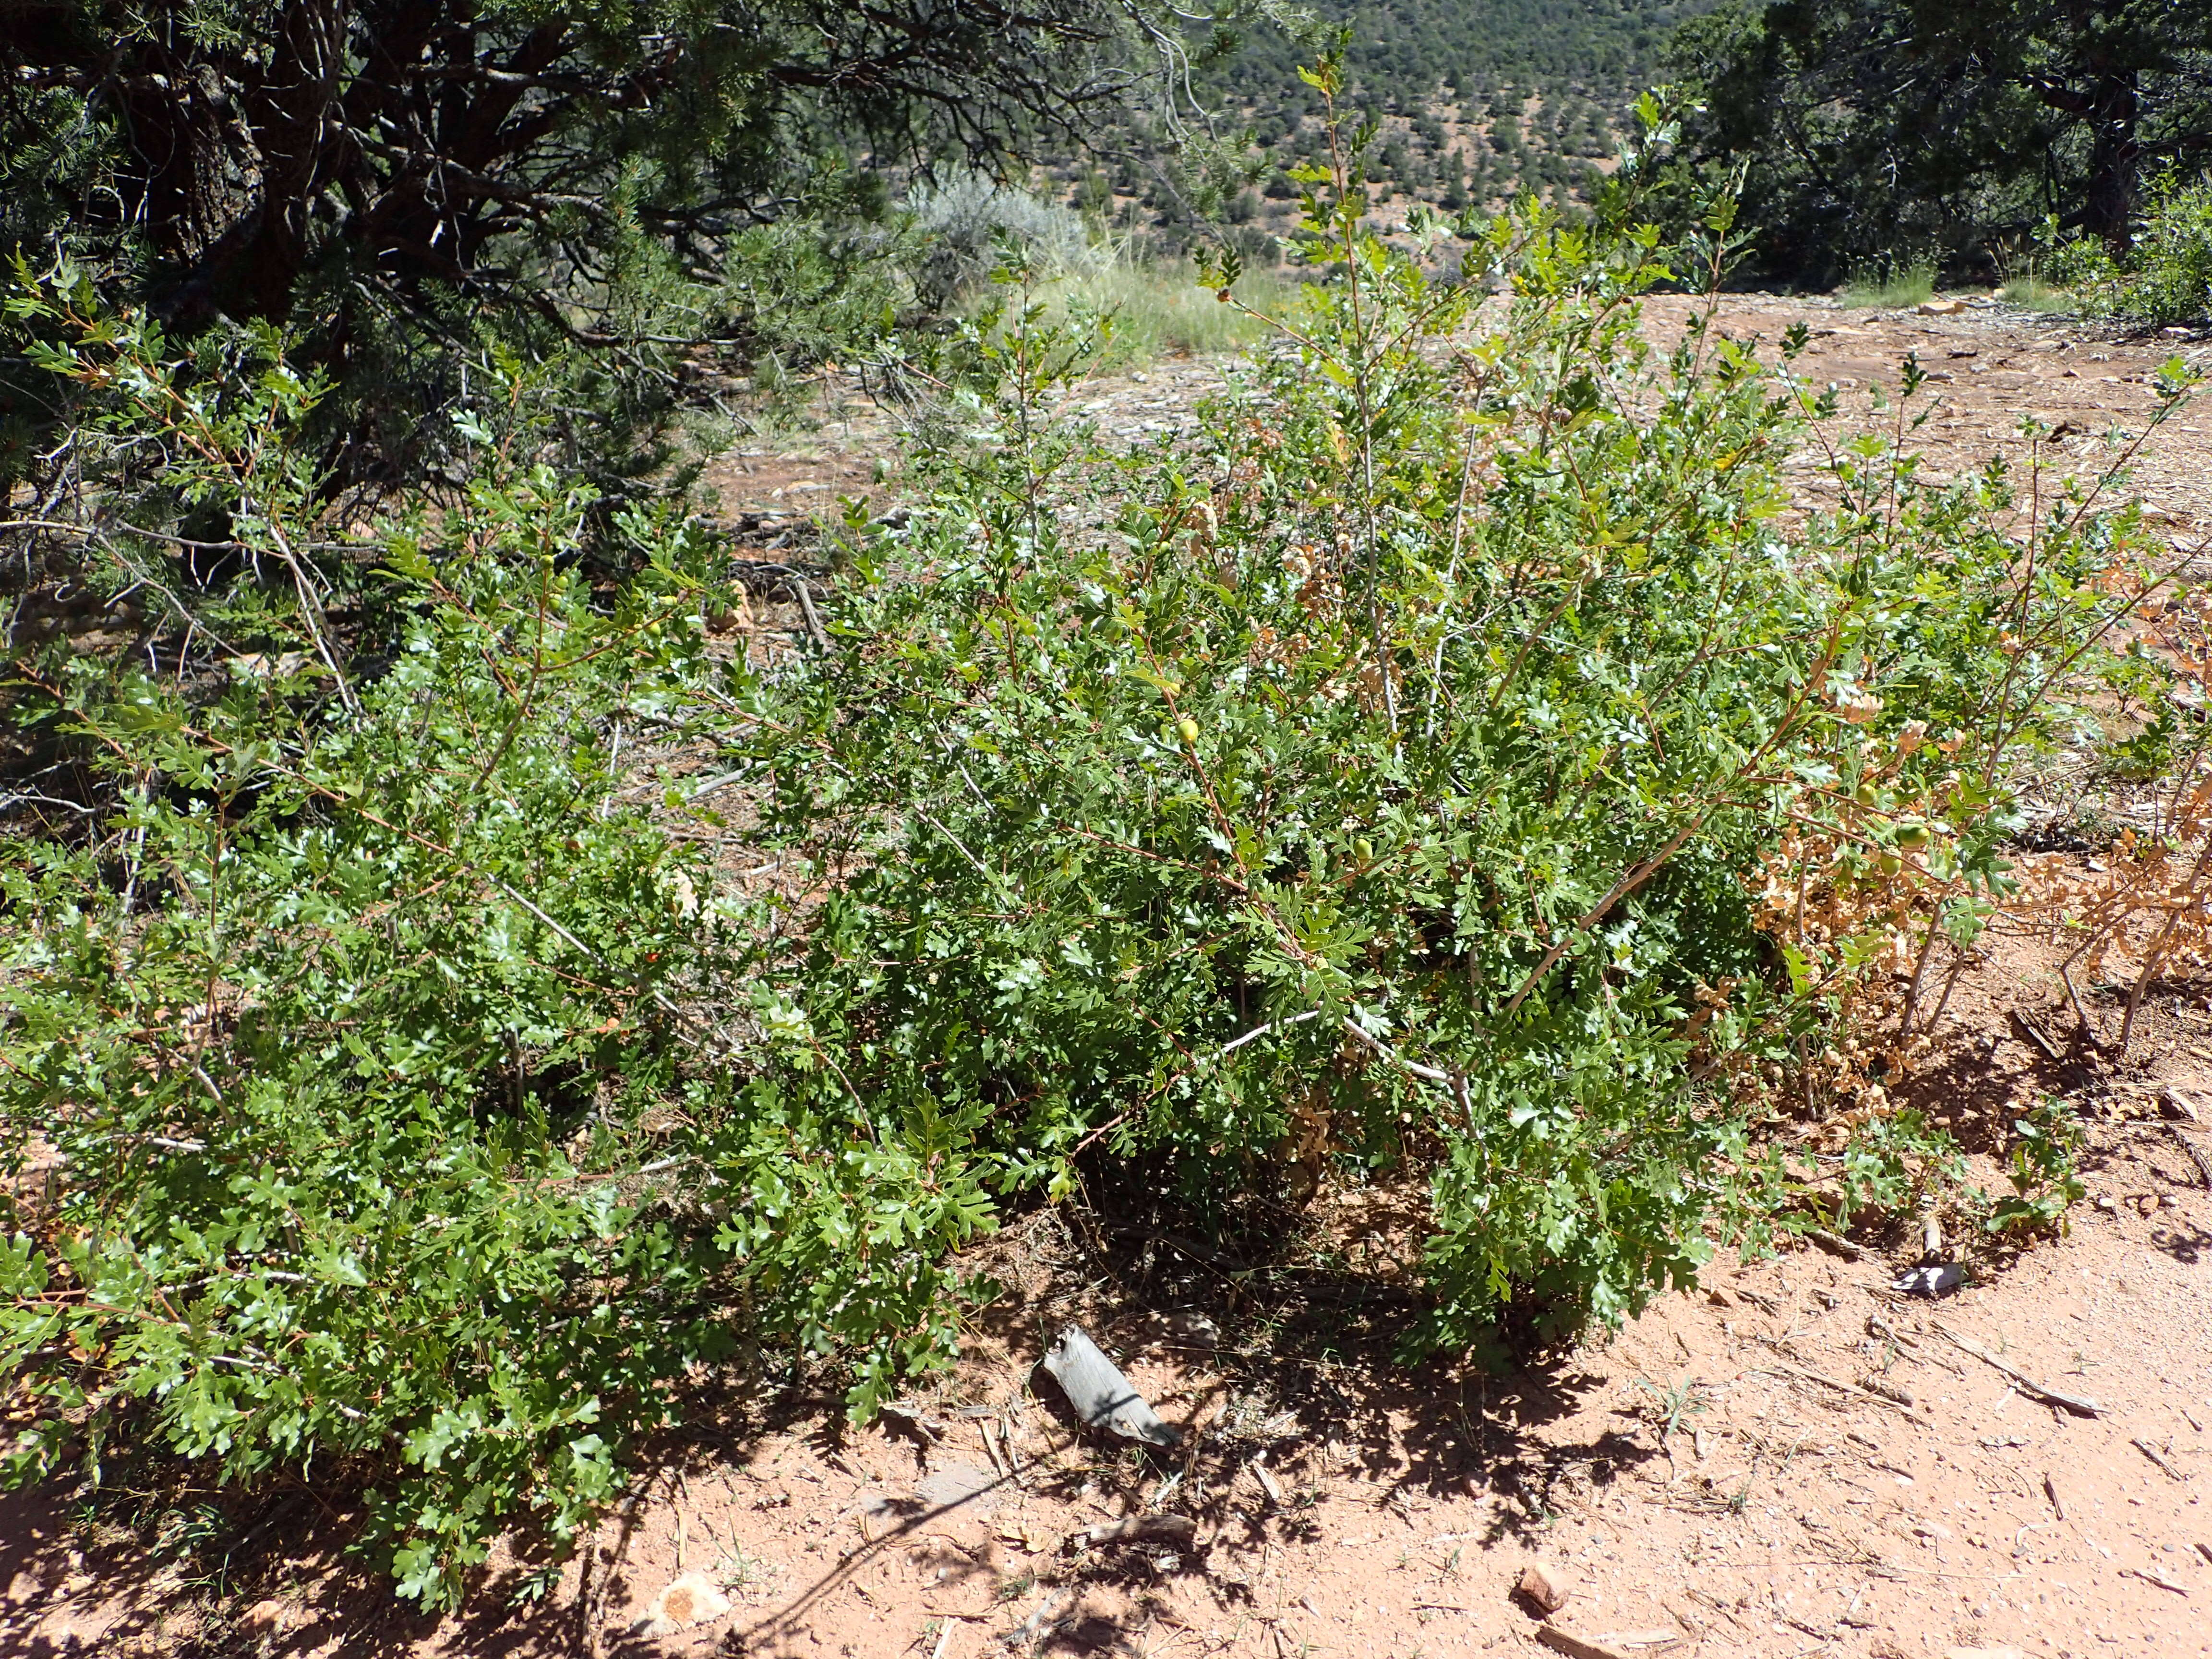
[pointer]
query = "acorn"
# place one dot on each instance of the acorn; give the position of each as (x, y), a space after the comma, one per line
(1365, 848)
(1887, 862)
(1912, 836)
(1186, 729)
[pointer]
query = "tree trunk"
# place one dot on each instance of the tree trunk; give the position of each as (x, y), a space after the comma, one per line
(2114, 160)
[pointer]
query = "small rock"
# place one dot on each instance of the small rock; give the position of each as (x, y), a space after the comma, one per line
(1542, 1588)
(1940, 307)
(1719, 1297)
(268, 1616)
(954, 1484)
(691, 1600)
(1195, 1328)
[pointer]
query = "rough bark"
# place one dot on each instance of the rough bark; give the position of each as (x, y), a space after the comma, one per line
(409, 137)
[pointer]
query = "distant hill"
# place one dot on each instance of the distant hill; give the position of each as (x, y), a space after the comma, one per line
(1487, 98)
(1412, 50)
(1481, 100)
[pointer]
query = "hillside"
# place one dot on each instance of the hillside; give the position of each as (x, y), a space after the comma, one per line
(1488, 98)
(1406, 50)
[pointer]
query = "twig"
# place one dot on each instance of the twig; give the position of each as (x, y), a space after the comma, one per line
(2152, 1575)
(813, 622)
(2080, 1406)
(1574, 1646)
(1830, 1382)
(2090, 1034)
(1427, 1073)
(991, 1450)
(1259, 1032)
(2033, 1034)
(1834, 1243)
(2196, 1152)
(311, 610)
(2157, 1457)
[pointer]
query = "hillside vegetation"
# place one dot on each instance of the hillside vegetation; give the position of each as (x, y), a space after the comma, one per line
(1962, 138)
(1494, 98)
(489, 954)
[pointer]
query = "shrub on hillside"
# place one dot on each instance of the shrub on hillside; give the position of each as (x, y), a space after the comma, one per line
(1455, 765)
(360, 1066)
(1389, 785)
(2164, 275)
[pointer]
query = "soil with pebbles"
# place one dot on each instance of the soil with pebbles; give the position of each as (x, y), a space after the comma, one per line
(1793, 1459)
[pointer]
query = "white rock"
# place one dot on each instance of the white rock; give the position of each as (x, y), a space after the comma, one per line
(691, 1600)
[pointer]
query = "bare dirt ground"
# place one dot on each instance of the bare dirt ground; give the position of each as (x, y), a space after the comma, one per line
(1794, 1460)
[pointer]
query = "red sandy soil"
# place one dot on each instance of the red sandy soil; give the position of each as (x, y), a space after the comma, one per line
(1794, 1460)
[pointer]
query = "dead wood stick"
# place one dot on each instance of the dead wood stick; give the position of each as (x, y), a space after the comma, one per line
(1837, 1245)
(2152, 1575)
(2196, 1152)
(991, 1450)
(1717, 1606)
(1177, 1528)
(1268, 1484)
(2033, 1034)
(2157, 1457)
(1830, 1383)
(927, 1429)
(1574, 1646)
(2079, 1405)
